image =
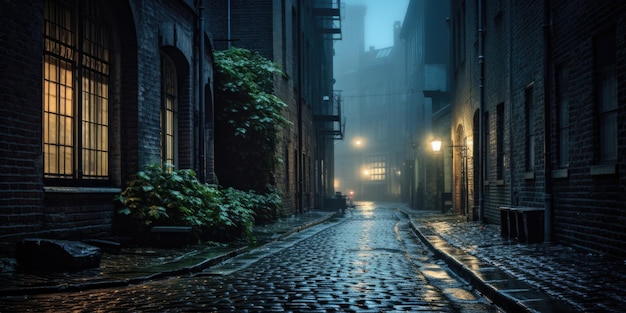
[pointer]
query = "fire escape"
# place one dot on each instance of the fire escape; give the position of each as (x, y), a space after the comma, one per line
(330, 121)
(328, 23)
(328, 15)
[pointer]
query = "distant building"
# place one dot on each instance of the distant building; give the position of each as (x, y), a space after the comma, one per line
(370, 159)
(552, 101)
(426, 36)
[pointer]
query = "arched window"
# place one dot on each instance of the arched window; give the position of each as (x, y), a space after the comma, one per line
(169, 112)
(76, 69)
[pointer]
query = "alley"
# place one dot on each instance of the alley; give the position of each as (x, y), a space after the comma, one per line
(367, 261)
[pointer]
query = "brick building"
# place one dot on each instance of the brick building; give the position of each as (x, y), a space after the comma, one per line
(546, 75)
(299, 36)
(427, 74)
(91, 91)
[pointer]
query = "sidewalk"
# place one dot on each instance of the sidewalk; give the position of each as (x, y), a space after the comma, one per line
(136, 265)
(523, 277)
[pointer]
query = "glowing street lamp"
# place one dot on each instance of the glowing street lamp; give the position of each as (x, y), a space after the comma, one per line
(358, 142)
(436, 144)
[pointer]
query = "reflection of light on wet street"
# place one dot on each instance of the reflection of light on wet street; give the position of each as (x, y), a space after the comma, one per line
(361, 287)
(366, 208)
(459, 294)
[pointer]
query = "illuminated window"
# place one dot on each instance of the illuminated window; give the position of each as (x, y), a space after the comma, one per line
(76, 92)
(169, 112)
(376, 168)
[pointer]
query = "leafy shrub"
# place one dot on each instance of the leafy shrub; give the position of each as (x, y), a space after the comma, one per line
(177, 198)
(269, 206)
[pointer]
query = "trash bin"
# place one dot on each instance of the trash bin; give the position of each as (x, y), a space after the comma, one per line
(504, 221)
(531, 224)
(338, 202)
(522, 223)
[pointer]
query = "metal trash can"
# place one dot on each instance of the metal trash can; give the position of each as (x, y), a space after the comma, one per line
(504, 221)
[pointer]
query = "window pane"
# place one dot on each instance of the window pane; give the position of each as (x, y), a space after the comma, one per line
(63, 119)
(169, 114)
(608, 136)
(607, 95)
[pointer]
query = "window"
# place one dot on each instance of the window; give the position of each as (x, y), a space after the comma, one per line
(459, 35)
(530, 128)
(500, 141)
(563, 115)
(606, 93)
(487, 138)
(169, 112)
(375, 168)
(76, 92)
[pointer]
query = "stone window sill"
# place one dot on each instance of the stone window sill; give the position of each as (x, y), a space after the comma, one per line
(54, 189)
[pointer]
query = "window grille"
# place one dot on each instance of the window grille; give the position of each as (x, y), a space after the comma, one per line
(76, 92)
(376, 168)
(169, 112)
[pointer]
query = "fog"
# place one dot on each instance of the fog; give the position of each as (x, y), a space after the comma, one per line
(375, 157)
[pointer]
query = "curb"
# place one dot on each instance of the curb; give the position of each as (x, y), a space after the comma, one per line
(502, 300)
(188, 270)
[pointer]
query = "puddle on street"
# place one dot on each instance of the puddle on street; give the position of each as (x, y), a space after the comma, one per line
(459, 294)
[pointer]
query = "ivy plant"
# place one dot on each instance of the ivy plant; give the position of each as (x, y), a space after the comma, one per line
(249, 118)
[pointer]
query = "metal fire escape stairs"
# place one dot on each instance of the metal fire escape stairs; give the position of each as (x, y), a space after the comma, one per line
(328, 118)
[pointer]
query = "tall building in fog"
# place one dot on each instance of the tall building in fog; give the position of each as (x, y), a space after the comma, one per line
(371, 156)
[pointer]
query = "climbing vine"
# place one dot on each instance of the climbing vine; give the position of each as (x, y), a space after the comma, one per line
(248, 119)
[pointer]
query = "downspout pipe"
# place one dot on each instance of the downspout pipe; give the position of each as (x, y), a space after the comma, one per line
(300, 174)
(201, 101)
(481, 125)
(547, 128)
(228, 26)
(511, 162)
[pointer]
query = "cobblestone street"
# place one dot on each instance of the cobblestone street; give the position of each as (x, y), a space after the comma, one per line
(368, 261)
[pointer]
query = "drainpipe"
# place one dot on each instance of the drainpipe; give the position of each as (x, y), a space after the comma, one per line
(511, 164)
(481, 135)
(547, 125)
(300, 174)
(201, 102)
(228, 26)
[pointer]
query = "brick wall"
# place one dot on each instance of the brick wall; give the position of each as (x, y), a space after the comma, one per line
(257, 26)
(21, 52)
(141, 31)
(587, 207)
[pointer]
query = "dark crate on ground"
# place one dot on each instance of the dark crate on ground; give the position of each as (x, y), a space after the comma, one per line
(36, 254)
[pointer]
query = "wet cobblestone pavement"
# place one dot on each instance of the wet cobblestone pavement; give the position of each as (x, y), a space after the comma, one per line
(368, 261)
(328, 263)
(134, 265)
(587, 282)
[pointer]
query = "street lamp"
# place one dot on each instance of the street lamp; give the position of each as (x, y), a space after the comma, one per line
(436, 144)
